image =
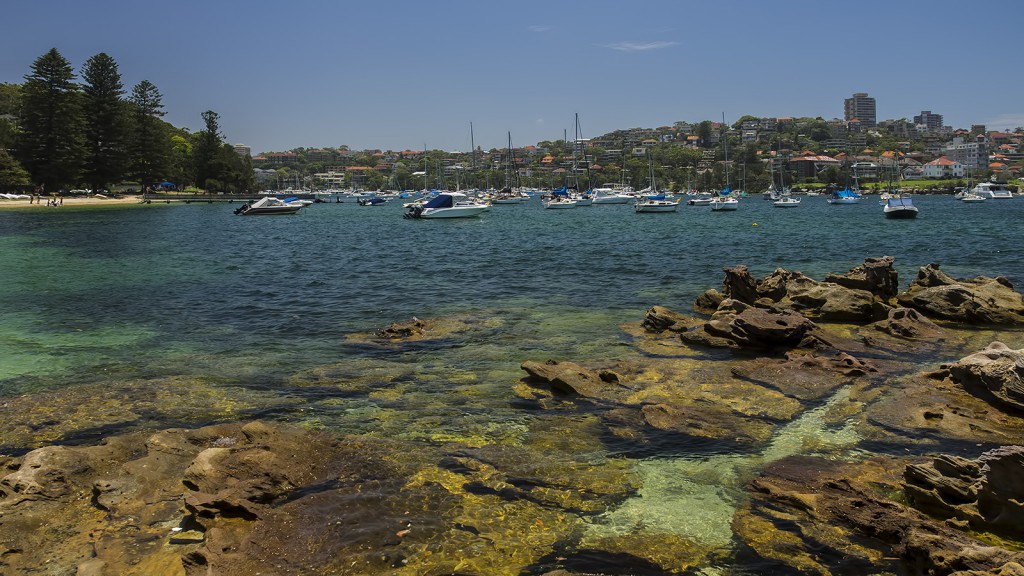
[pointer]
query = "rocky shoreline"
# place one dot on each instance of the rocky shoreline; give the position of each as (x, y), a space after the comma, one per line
(895, 377)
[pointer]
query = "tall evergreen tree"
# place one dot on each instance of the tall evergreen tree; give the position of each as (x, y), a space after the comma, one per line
(206, 151)
(50, 143)
(149, 143)
(105, 117)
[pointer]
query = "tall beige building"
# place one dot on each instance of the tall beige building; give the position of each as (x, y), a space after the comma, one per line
(861, 107)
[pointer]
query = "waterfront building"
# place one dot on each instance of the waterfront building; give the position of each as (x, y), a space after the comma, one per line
(943, 167)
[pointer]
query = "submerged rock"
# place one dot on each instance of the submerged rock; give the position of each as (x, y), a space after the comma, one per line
(981, 300)
(269, 498)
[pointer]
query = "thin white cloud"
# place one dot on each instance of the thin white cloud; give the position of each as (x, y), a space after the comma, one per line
(1005, 121)
(538, 28)
(641, 46)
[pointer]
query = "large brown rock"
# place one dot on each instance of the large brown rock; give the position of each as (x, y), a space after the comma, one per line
(816, 516)
(737, 325)
(986, 494)
(995, 373)
(875, 275)
(739, 284)
(980, 300)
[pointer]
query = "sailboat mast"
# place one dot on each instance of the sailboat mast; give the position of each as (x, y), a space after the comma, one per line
(725, 144)
(472, 147)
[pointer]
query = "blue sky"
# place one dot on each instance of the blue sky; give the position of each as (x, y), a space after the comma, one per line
(404, 74)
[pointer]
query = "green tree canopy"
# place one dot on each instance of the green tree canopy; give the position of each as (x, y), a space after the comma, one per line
(106, 128)
(149, 145)
(50, 143)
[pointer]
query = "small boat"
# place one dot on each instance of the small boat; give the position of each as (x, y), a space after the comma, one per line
(266, 206)
(376, 200)
(559, 203)
(844, 196)
(970, 198)
(786, 202)
(654, 204)
(723, 203)
(584, 199)
(700, 200)
(654, 201)
(447, 205)
(899, 207)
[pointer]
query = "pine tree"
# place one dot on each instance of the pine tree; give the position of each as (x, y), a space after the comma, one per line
(105, 117)
(205, 153)
(149, 143)
(50, 145)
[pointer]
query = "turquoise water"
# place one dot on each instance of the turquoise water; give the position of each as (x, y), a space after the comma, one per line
(204, 316)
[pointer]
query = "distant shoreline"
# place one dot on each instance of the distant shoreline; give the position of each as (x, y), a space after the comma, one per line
(69, 201)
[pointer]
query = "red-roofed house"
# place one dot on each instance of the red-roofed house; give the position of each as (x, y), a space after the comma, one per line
(943, 167)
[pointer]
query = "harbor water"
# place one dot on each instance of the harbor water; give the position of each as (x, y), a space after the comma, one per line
(126, 318)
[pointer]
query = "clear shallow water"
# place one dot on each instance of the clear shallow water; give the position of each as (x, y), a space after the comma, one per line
(260, 310)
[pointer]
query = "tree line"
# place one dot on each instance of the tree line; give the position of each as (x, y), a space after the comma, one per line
(59, 132)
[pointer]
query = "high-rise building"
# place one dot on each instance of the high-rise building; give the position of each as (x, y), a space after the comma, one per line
(933, 122)
(243, 150)
(861, 107)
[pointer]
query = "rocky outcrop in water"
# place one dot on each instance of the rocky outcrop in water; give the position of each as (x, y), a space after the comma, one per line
(739, 325)
(980, 300)
(876, 275)
(995, 373)
(861, 295)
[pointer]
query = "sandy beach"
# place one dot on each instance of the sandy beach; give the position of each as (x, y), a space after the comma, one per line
(69, 201)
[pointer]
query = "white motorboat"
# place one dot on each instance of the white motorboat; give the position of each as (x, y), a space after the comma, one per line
(447, 205)
(656, 205)
(610, 196)
(266, 206)
(899, 207)
(723, 203)
(700, 200)
(993, 190)
(970, 198)
(786, 202)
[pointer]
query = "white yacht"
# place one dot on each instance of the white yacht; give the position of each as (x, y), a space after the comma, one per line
(447, 205)
(993, 190)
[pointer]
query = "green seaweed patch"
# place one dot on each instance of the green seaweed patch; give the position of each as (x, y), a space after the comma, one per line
(96, 410)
